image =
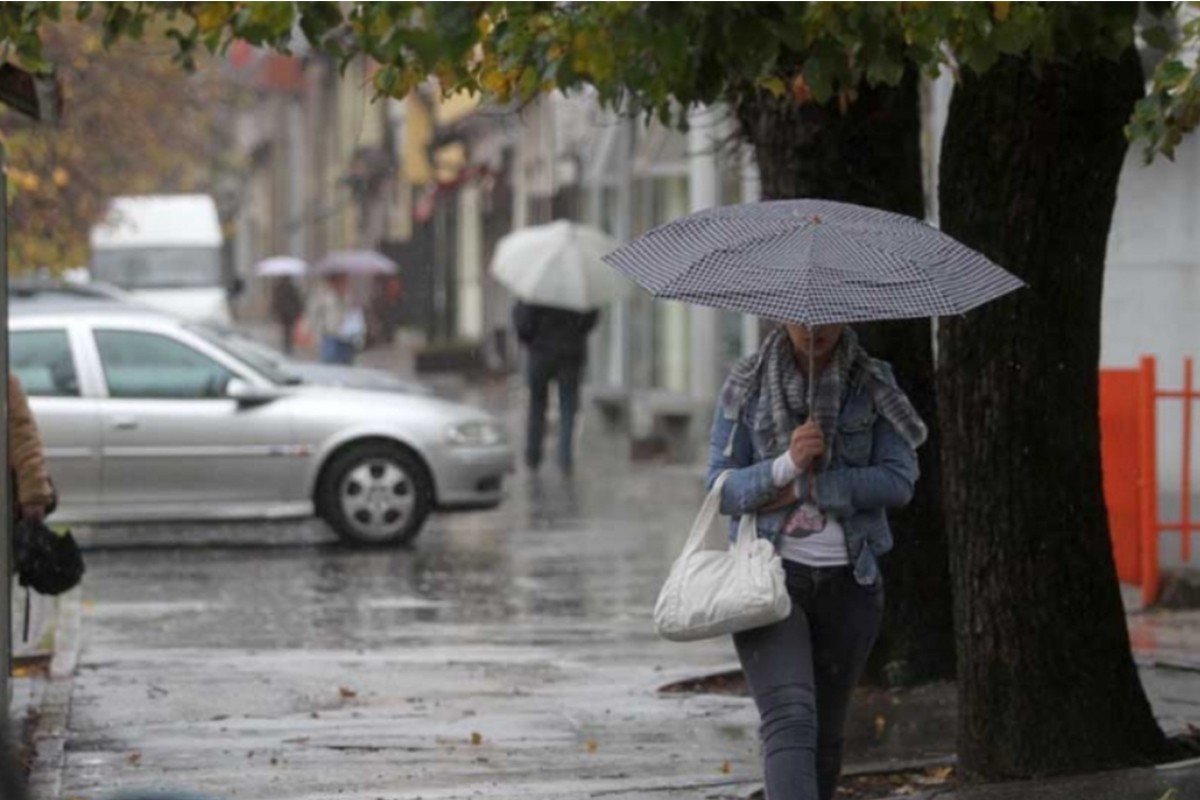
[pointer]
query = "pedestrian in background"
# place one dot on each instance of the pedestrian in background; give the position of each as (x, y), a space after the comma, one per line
(27, 462)
(336, 320)
(556, 340)
(287, 306)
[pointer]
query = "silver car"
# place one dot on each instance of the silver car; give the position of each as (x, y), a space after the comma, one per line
(145, 417)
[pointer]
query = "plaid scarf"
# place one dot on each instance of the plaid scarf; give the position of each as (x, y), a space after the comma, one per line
(770, 376)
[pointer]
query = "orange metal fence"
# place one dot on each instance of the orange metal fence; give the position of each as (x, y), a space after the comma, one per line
(1129, 400)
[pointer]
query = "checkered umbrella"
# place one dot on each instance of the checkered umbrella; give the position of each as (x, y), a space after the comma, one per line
(812, 262)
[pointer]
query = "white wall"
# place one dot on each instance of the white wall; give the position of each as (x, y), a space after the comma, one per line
(1152, 296)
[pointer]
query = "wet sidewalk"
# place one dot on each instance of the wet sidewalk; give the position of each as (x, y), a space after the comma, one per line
(508, 654)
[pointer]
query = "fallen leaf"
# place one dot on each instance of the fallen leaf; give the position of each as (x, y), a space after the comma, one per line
(591, 745)
(135, 758)
(346, 693)
(476, 738)
(940, 774)
(727, 767)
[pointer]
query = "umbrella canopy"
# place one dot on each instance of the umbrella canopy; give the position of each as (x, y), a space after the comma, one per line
(812, 262)
(356, 262)
(559, 264)
(281, 266)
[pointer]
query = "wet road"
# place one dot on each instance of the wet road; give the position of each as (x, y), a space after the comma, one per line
(507, 654)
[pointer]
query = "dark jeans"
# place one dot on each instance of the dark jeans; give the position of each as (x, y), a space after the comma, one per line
(566, 373)
(337, 351)
(802, 672)
(286, 329)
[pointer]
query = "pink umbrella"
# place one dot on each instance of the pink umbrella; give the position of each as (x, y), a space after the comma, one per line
(356, 262)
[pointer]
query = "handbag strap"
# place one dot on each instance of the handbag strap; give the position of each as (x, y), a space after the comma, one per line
(708, 513)
(747, 531)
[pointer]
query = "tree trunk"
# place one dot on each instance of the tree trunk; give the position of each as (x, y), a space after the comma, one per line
(871, 155)
(1029, 171)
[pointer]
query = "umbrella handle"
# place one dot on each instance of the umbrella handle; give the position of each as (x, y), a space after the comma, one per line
(812, 400)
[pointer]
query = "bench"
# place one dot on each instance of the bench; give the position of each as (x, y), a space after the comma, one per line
(613, 404)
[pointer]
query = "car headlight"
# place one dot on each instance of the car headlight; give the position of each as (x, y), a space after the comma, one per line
(476, 434)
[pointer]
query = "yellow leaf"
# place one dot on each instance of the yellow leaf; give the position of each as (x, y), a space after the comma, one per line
(476, 738)
(880, 725)
(941, 774)
(591, 745)
(61, 177)
(727, 767)
(212, 16)
(1000, 11)
(773, 84)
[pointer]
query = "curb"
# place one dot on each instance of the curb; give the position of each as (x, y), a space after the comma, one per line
(54, 713)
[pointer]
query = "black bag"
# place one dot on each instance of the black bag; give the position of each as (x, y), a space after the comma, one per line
(46, 562)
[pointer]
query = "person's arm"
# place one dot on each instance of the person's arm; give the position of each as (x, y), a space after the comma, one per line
(525, 319)
(750, 485)
(34, 490)
(888, 482)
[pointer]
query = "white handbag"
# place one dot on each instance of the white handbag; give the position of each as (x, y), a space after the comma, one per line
(719, 592)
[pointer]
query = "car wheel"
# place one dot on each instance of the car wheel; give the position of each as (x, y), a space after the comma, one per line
(376, 494)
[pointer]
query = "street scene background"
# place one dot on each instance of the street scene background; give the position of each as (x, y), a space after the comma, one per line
(261, 626)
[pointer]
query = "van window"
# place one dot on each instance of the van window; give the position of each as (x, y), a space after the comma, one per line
(158, 267)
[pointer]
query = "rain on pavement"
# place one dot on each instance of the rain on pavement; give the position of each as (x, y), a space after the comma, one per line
(507, 653)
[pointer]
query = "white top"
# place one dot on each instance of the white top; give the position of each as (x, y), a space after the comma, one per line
(826, 547)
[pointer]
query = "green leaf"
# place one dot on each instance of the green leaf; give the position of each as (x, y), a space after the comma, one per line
(1172, 74)
(388, 81)
(318, 19)
(1158, 38)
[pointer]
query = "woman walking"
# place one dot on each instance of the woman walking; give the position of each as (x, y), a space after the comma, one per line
(334, 318)
(820, 479)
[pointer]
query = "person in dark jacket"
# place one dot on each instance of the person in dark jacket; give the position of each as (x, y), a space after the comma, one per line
(287, 306)
(556, 339)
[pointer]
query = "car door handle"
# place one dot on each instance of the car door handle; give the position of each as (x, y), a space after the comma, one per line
(125, 424)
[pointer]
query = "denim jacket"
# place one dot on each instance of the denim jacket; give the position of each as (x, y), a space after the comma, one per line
(871, 470)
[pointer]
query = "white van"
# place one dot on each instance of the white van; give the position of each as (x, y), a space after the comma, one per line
(166, 251)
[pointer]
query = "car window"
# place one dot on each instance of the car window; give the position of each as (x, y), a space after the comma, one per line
(42, 361)
(269, 363)
(150, 365)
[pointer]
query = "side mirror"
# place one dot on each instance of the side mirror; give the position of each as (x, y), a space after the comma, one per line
(248, 395)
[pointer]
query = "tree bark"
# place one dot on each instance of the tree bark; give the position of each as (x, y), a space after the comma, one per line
(1047, 684)
(871, 155)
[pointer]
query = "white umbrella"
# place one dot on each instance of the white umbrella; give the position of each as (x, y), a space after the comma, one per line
(281, 266)
(356, 262)
(559, 264)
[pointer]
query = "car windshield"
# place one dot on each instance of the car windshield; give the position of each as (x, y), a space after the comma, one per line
(272, 364)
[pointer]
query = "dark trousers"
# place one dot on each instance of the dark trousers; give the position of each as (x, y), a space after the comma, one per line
(566, 372)
(802, 672)
(286, 330)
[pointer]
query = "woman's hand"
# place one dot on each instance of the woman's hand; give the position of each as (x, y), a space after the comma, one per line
(785, 498)
(808, 446)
